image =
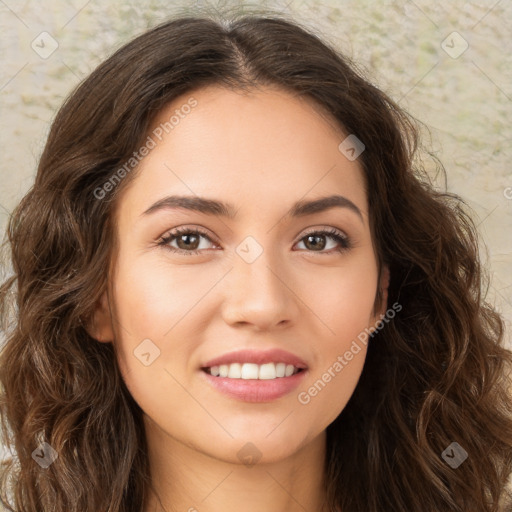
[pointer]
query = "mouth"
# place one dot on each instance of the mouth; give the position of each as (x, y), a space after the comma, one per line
(252, 383)
(250, 375)
(252, 371)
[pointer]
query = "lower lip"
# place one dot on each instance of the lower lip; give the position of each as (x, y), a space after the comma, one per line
(256, 390)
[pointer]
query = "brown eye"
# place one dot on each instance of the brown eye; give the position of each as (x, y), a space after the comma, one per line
(315, 241)
(188, 240)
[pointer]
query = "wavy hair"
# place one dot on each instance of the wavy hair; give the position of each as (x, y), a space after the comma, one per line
(437, 373)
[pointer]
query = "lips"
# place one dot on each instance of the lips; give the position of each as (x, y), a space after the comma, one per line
(254, 390)
(250, 387)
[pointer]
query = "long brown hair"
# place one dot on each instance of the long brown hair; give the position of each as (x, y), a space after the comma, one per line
(435, 375)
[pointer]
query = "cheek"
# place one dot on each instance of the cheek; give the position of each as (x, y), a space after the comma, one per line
(148, 307)
(343, 299)
(330, 387)
(153, 298)
(345, 305)
(342, 351)
(158, 308)
(152, 356)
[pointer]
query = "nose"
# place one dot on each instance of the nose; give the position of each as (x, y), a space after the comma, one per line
(260, 293)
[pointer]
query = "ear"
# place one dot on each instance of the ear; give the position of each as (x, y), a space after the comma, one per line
(101, 323)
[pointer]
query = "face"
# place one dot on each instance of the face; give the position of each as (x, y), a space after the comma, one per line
(269, 276)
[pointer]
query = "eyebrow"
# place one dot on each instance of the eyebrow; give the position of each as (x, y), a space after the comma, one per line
(218, 208)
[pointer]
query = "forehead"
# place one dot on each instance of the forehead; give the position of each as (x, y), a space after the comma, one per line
(257, 150)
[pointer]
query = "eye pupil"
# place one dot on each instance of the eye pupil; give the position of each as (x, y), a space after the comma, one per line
(315, 245)
(187, 237)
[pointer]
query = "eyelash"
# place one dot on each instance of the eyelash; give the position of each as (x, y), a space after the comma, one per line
(343, 240)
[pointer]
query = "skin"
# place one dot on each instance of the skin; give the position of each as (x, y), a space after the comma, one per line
(261, 151)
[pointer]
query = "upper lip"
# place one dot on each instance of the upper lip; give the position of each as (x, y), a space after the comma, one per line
(257, 357)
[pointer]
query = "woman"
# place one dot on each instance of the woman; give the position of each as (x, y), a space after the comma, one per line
(235, 291)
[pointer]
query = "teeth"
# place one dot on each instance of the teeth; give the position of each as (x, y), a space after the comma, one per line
(280, 370)
(234, 370)
(265, 371)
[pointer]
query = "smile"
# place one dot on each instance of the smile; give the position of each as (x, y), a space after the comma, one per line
(267, 371)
